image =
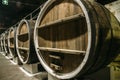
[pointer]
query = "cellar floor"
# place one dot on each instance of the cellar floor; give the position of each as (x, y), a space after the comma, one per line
(9, 71)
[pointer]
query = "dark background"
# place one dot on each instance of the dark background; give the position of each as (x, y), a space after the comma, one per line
(17, 9)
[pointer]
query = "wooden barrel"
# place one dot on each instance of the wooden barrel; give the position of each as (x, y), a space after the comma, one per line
(2, 42)
(24, 42)
(11, 42)
(5, 42)
(75, 37)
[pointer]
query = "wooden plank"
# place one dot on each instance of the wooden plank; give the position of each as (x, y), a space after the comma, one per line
(77, 52)
(12, 33)
(23, 48)
(59, 21)
(11, 46)
(53, 56)
(23, 28)
(23, 34)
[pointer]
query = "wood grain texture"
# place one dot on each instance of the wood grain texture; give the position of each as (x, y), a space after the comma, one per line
(64, 35)
(64, 38)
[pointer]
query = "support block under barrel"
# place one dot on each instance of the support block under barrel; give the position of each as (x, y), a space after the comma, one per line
(32, 68)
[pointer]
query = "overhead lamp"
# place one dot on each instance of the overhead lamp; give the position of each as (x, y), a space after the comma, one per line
(5, 2)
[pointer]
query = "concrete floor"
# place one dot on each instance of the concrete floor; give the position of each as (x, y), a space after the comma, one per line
(9, 71)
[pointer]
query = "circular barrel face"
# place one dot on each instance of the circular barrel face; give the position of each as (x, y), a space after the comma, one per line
(2, 43)
(6, 42)
(62, 38)
(23, 41)
(11, 42)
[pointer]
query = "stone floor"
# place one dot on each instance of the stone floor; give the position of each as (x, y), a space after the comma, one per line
(9, 71)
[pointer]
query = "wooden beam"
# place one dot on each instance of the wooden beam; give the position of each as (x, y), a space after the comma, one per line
(67, 19)
(77, 52)
(23, 48)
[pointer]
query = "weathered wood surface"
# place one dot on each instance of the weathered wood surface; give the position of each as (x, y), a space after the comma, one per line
(96, 33)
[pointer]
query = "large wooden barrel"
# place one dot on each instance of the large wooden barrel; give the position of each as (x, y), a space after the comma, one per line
(24, 42)
(11, 42)
(2, 42)
(75, 37)
(5, 42)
